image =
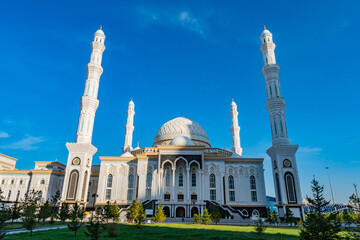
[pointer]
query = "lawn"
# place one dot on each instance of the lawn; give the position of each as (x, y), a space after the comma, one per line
(172, 231)
(17, 225)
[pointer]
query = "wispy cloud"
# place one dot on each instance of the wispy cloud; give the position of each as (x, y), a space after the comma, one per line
(27, 143)
(4, 135)
(172, 17)
(309, 151)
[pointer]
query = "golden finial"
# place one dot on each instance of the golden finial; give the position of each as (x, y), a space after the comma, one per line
(264, 27)
(100, 27)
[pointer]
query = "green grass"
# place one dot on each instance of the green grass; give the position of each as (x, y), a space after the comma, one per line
(17, 225)
(170, 231)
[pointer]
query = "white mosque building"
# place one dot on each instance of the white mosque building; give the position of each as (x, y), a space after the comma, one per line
(181, 170)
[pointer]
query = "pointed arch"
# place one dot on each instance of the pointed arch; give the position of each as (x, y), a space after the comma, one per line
(72, 185)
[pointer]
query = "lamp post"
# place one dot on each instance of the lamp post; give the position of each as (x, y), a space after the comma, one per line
(332, 194)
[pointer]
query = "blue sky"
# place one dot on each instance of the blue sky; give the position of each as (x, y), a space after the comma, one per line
(185, 56)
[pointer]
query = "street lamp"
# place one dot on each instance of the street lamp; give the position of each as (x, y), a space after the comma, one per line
(332, 194)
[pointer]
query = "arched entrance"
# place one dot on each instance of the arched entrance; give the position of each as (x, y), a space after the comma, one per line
(180, 212)
(194, 210)
(166, 211)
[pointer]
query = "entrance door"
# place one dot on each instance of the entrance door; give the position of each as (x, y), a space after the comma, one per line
(166, 211)
(194, 210)
(180, 212)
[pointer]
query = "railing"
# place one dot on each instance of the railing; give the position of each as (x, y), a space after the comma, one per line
(144, 150)
(218, 151)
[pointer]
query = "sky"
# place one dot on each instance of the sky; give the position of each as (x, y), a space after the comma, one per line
(189, 57)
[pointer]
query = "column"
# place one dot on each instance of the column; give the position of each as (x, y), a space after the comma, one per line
(173, 185)
(188, 184)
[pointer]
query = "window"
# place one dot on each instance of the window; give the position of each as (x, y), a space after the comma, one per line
(130, 195)
(193, 197)
(253, 196)
(275, 127)
(181, 180)
(148, 186)
(290, 187)
(40, 195)
(278, 187)
(231, 182)
(180, 197)
(42, 181)
(21, 181)
(84, 186)
(108, 194)
(109, 181)
(74, 175)
(17, 195)
(213, 194)
(276, 90)
(9, 195)
(232, 196)
(131, 181)
(281, 126)
(193, 180)
(212, 181)
(270, 90)
(252, 183)
(88, 197)
(12, 181)
(3, 181)
(167, 197)
(167, 179)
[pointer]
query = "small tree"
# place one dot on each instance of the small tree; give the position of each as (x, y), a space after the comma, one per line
(64, 212)
(110, 212)
(289, 216)
(94, 228)
(29, 210)
(132, 211)
(14, 212)
(76, 216)
(4, 216)
(159, 216)
(54, 206)
(196, 219)
(216, 215)
(269, 216)
(206, 217)
(45, 211)
(259, 226)
(317, 224)
(353, 232)
(140, 218)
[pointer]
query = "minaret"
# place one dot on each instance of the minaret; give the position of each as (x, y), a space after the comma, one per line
(79, 162)
(282, 154)
(129, 127)
(235, 129)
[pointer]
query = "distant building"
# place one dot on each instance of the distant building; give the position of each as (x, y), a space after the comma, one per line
(271, 203)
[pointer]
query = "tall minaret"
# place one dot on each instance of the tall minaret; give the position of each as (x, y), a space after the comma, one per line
(129, 127)
(79, 162)
(282, 154)
(235, 129)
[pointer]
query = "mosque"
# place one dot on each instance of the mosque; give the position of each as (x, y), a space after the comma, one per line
(181, 170)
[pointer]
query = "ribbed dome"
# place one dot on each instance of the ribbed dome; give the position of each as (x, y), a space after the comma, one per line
(100, 32)
(181, 126)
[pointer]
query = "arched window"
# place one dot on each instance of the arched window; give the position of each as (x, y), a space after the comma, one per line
(21, 181)
(281, 126)
(276, 90)
(130, 187)
(231, 182)
(275, 127)
(42, 181)
(212, 181)
(167, 179)
(278, 187)
(270, 90)
(253, 189)
(181, 180)
(40, 194)
(193, 180)
(9, 195)
(109, 181)
(84, 186)
(290, 188)
(18, 195)
(12, 181)
(148, 186)
(72, 187)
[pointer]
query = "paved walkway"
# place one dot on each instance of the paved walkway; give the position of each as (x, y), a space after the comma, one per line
(21, 230)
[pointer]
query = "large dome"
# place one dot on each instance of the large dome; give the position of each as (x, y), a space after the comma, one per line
(181, 126)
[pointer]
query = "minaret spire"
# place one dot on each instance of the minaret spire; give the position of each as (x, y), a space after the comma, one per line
(235, 129)
(89, 102)
(129, 127)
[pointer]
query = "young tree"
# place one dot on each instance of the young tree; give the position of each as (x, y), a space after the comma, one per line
(29, 210)
(110, 212)
(317, 224)
(216, 215)
(132, 211)
(45, 211)
(54, 206)
(196, 219)
(76, 216)
(64, 212)
(206, 217)
(14, 212)
(140, 218)
(159, 216)
(289, 216)
(353, 232)
(94, 228)
(259, 226)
